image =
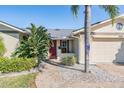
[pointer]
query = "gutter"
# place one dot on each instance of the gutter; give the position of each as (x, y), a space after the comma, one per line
(74, 36)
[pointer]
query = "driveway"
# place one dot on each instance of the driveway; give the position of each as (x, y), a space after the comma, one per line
(58, 76)
(114, 69)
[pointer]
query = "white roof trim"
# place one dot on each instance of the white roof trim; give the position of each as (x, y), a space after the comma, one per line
(12, 27)
(108, 33)
(64, 38)
(81, 30)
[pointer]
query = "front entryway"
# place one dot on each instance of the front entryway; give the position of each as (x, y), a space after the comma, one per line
(52, 51)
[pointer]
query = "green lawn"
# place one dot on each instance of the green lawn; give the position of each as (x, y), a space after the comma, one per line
(23, 81)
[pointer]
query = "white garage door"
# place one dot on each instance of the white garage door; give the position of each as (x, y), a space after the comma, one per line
(107, 51)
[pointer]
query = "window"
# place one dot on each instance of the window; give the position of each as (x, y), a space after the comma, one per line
(119, 26)
(64, 44)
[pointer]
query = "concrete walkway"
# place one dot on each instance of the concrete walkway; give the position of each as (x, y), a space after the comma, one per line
(58, 76)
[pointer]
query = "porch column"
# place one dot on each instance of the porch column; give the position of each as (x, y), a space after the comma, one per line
(81, 49)
(58, 51)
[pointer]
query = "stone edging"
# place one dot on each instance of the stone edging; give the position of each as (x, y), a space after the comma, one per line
(12, 74)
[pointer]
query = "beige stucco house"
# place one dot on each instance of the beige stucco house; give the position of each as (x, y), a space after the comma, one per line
(11, 36)
(107, 41)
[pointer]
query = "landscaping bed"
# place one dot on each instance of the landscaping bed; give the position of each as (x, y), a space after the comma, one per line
(8, 65)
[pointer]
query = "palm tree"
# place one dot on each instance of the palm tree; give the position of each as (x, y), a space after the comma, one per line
(112, 10)
(36, 45)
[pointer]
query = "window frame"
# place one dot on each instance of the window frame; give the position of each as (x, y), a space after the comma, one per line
(64, 44)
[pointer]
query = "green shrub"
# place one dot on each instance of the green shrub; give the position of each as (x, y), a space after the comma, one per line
(2, 47)
(16, 64)
(69, 60)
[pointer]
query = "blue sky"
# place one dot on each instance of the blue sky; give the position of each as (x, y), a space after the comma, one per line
(49, 16)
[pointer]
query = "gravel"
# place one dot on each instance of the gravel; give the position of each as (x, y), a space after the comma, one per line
(73, 76)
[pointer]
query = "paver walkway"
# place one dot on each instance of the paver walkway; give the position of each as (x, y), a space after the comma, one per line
(57, 76)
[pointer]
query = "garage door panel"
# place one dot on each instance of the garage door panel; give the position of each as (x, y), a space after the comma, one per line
(107, 51)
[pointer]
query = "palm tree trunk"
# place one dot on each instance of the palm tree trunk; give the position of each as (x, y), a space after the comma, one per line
(87, 36)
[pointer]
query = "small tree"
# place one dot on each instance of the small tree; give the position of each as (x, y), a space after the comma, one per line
(2, 47)
(36, 45)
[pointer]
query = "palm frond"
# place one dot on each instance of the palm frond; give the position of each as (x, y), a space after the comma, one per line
(75, 9)
(112, 10)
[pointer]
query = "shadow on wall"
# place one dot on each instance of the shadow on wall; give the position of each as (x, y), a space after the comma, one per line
(15, 35)
(119, 57)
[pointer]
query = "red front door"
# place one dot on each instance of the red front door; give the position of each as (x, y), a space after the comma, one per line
(52, 50)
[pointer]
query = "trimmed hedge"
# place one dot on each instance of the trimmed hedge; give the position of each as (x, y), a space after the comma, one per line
(16, 64)
(69, 60)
